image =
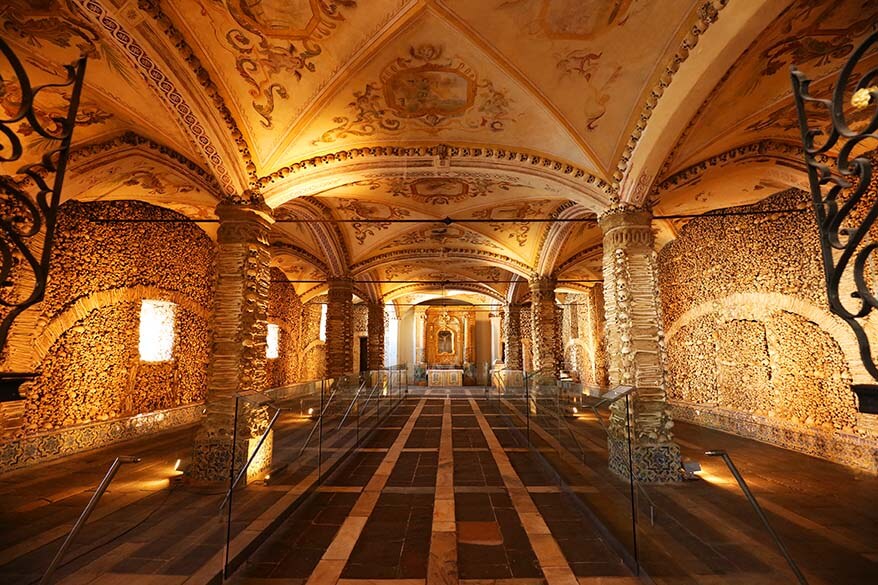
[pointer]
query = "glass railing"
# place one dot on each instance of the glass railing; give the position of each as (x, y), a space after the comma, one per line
(290, 440)
(666, 531)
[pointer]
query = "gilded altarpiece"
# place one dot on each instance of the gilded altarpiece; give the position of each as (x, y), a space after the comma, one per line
(449, 336)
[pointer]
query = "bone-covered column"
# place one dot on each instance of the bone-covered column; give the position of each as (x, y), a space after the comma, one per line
(635, 348)
(237, 360)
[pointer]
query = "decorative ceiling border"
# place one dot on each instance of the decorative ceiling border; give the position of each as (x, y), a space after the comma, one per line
(789, 153)
(502, 261)
(706, 15)
(152, 9)
(444, 152)
(165, 88)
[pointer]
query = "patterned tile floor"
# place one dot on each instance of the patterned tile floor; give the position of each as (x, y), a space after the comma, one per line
(448, 491)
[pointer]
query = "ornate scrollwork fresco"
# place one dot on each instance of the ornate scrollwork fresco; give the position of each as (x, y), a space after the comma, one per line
(366, 210)
(277, 39)
(426, 91)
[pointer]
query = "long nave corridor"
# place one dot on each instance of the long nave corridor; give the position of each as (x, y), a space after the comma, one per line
(438, 292)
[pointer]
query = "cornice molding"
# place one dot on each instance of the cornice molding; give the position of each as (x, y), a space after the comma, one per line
(705, 15)
(502, 261)
(130, 139)
(442, 151)
(472, 287)
(301, 253)
(153, 10)
(787, 152)
(579, 257)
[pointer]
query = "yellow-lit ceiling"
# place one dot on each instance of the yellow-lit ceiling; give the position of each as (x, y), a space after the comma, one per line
(375, 111)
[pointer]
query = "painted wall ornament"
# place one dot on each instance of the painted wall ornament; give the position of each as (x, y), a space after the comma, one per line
(358, 209)
(517, 230)
(276, 39)
(49, 112)
(585, 65)
(447, 190)
(441, 234)
(845, 200)
(424, 91)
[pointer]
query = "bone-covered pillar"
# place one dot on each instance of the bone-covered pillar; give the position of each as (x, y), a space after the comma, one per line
(544, 326)
(339, 327)
(237, 360)
(635, 348)
(376, 336)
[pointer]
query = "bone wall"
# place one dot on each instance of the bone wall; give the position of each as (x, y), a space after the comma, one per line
(752, 346)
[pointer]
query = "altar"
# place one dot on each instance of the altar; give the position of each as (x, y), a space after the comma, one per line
(445, 377)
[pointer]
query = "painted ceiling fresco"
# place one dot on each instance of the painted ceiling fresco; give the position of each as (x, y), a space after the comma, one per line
(754, 99)
(376, 120)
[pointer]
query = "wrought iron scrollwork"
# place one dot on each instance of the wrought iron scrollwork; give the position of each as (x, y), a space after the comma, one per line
(844, 202)
(29, 204)
(29, 201)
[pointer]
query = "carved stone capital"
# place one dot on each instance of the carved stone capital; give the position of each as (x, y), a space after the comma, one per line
(627, 228)
(242, 223)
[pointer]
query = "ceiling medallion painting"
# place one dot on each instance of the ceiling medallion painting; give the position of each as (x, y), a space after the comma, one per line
(441, 234)
(424, 91)
(266, 43)
(446, 190)
(358, 209)
(517, 230)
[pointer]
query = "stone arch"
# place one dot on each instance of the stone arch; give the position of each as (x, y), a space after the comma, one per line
(757, 306)
(47, 337)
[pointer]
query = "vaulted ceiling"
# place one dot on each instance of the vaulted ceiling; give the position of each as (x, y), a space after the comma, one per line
(373, 111)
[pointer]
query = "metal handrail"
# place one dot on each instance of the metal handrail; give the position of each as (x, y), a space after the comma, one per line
(251, 458)
(351, 406)
(319, 418)
(83, 518)
(371, 394)
(759, 512)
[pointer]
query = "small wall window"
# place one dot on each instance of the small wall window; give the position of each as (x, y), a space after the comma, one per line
(156, 330)
(323, 322)
(271, 341)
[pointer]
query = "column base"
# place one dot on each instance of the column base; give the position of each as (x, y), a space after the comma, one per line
(211, 457)
(656, 463)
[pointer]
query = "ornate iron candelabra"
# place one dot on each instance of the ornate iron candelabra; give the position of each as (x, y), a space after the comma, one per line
(844, 200)
(29, 200)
